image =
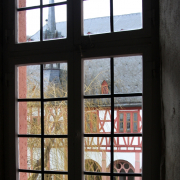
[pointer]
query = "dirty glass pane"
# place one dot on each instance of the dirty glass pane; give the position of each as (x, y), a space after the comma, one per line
(28, 29)
(97, 154)
(55, 177)
(127, 154)
(55, 80)
(97, 116)
(127, 15)
(96, 16)
(55, 118)
(28, 3)
(27, 176)
(55, 22)
(30, 153)
(56, 154)
(52, 1)
(97, 76)
(128, 115)
(29, 117)
(29, 81)
(128, 74)
(96, 177)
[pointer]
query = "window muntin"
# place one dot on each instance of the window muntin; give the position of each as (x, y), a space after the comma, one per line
(121, 106)
(33, 23)
(115, 16)
(43, 132)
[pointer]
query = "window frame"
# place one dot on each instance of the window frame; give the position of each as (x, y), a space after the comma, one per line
(105, 45)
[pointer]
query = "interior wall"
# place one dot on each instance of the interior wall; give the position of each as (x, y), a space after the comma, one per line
(170, 56)
(1, 99)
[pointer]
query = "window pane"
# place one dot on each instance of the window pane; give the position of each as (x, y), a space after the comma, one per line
(55, 177)
(55, 81)
(126, 178)
(97, 154)
(28, 3)
(127, 15)
(27, 176)
(125, 108)
(96, 16)
(29, 117)
(55, 22)
(97, 116)
(55, 117)
(30, 153)
(29, 81)
(52, 1)
(96, 177)
(56, 154)
(128, 74)
(127, 154)
(97, 76)
(29, 26)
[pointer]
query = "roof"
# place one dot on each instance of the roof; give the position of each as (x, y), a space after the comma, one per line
(98, 25)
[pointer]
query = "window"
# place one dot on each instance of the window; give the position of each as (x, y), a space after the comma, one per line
(91, 126)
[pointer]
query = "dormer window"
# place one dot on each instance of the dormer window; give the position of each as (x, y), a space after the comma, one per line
(104, 87)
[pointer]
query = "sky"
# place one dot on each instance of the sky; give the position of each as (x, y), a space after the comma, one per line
(92, 9)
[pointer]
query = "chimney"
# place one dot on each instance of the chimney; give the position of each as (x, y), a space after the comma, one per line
(51, 18)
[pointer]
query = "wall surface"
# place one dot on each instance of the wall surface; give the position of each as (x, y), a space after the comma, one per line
(1, 119)
(170, 56)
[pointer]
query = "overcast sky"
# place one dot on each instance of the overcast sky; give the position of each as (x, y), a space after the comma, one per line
(92, 9)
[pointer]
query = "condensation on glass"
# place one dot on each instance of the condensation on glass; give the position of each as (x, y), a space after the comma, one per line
(97, 154)
(55, 80)
(97, 116)
(128, 115)
(29, 117)
(55, 118)
(128, 74)
(96, 17)
(97, 76)
(127, 155)
(127, 15)
(56, 154)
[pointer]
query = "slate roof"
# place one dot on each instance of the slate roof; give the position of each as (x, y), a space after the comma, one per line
(127, 70)
(99, 25)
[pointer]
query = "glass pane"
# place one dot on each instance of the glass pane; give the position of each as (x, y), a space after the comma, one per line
(55, 22)
(52, 1)
(124, 112)
(127, 154)
(96, 177)
(29, 117)
(29, 81)
(97, 76)
(97, 154)
(30, 153)
(29, 26)
(128, 74)
(28, 3)
(55, 117)
(28, 176)
(96, 16)
(126, 178)
(55, 81)
(127, 15)
(55, 177)
(97, 116)
(56, 154)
